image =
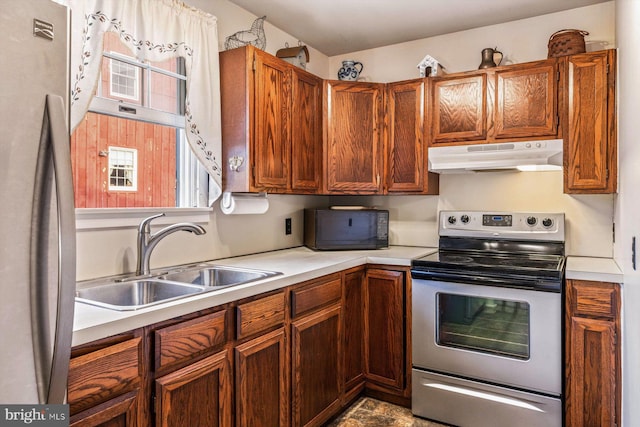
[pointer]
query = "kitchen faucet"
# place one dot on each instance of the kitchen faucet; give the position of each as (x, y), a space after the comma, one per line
(148, 241)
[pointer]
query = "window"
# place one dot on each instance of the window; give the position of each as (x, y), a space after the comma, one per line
(124, 80)
(123, 169)
(131, 148)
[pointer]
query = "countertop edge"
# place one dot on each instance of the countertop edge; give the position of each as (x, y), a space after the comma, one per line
(593, 269)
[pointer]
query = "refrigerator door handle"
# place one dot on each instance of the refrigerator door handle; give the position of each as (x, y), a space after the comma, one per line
(54, 188)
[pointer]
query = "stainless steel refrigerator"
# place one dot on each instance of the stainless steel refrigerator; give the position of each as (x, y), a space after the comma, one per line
(37, 220)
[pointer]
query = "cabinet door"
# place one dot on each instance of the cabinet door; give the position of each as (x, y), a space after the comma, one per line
(262, 397)
(384, 327)
(99, 376)
(119, 412)
(591, 387)
(271, 133)
(590, 137)
(405, 137)
(459, 108)
(592, 354)
(526, 100)
(353, 156)
(306, 132)
(316, 352)
(353, 326)
(197, 395)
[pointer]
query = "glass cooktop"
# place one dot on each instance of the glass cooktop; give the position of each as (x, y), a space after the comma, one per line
(535, 266)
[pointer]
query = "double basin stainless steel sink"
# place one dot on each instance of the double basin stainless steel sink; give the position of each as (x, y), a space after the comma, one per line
(136, 293)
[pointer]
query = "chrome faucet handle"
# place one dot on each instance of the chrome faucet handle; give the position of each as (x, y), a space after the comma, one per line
(145, 224)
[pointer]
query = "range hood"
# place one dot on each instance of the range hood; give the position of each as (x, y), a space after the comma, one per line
(531, 155)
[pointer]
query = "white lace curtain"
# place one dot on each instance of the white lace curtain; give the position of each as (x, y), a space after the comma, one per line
(154, 30)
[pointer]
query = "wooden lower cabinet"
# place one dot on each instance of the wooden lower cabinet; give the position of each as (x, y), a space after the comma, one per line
(316, 375)
(592, 368)
(293, 357)
(353, 332)
(386, 333)
(106, 382)
(262, 381)
(121, 411)
(197, 395)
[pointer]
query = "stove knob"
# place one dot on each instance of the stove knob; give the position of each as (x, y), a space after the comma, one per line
(532, 220)
(464, 219)
(451, 219)
(547, 222)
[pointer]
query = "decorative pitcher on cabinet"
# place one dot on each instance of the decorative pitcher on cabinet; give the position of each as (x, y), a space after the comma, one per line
(490, 58)
(349, 70)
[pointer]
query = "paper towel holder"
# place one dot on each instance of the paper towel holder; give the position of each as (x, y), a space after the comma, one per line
(229, 198)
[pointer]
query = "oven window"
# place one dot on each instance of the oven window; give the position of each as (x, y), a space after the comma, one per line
(485, 325)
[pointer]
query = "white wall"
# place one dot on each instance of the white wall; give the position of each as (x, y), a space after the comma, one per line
(113, 251)
(232, 18)
(520, 41)
(588, 218)
(628, 201)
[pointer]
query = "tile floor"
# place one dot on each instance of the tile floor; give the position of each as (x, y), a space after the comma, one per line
(368, 412)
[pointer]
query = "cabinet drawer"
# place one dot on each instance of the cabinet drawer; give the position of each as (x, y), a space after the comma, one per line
(101, 375)
(179, 343)
(321, 292)
(592, 299)
(260, 315)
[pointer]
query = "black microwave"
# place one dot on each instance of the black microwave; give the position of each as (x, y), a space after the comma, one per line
(342, 229)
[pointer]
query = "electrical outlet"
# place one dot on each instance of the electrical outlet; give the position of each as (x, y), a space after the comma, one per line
(287, 226)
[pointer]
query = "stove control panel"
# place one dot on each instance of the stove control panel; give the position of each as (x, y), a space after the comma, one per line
(497, 220)
(503, 225)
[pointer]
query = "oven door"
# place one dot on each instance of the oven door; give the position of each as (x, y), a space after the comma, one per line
(499, 335)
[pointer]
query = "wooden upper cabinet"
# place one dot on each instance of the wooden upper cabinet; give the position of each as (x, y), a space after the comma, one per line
(352, 137)
(406, 150)
(458, 108)
(590, 151)
(306, 132)
(271, 139)
(526, 100)
(515, 102)
(271, 124)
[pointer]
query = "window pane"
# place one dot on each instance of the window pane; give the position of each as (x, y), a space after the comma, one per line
(163, 94)
(95, 169)
(486, 325)
(120, 80)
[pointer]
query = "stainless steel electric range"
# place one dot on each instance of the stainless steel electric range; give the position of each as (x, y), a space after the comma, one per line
(487, 321)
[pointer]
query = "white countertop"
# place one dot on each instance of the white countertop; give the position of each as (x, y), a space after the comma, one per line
(595, 269)
(297, 265)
